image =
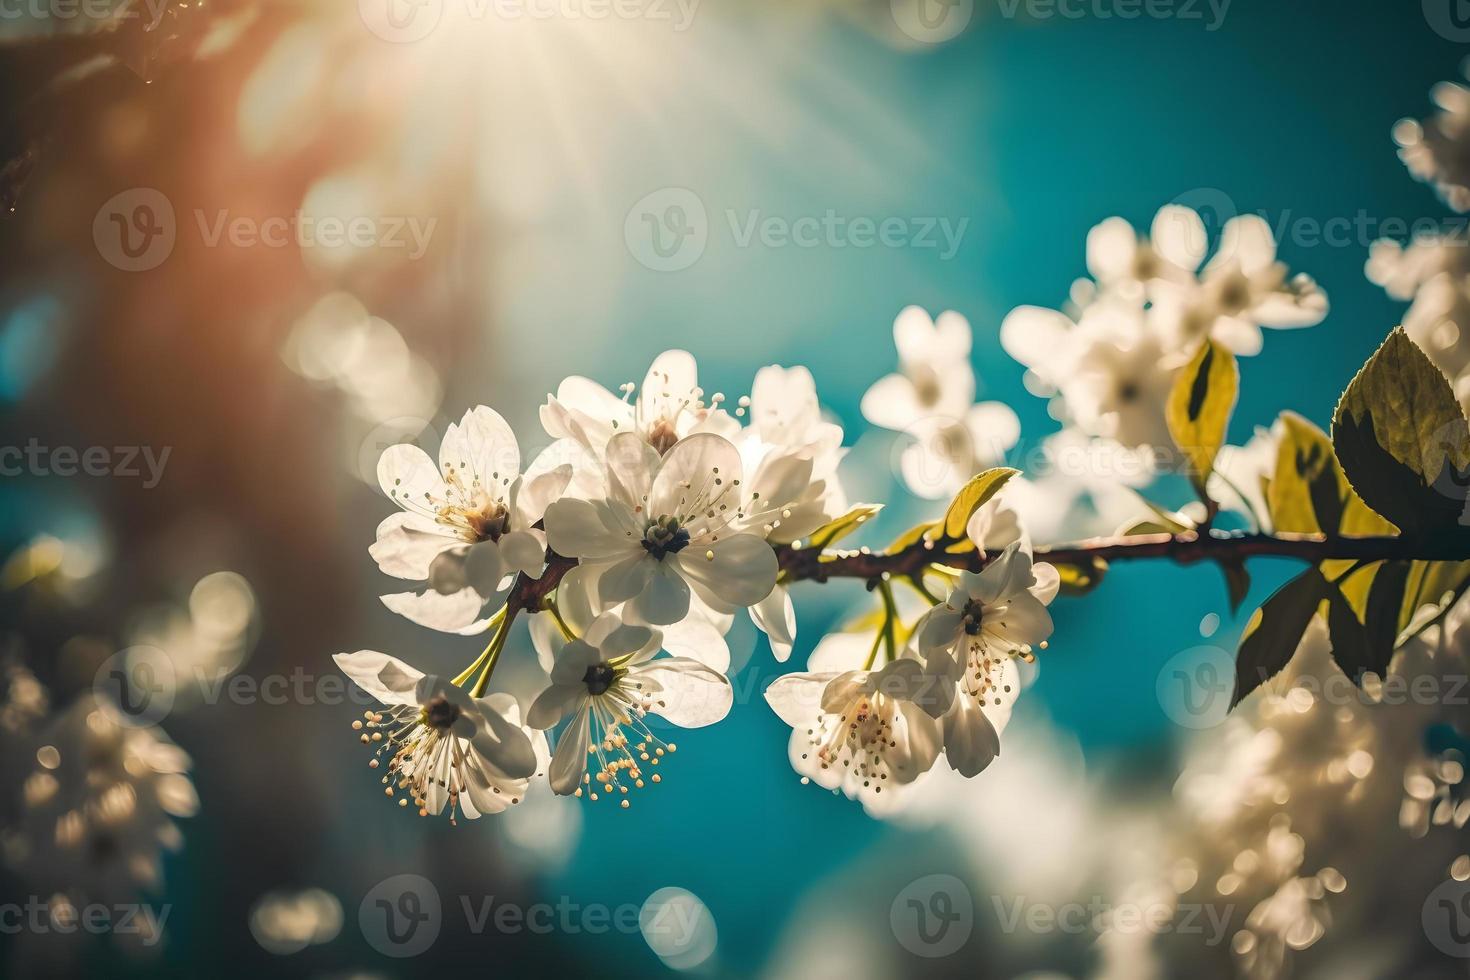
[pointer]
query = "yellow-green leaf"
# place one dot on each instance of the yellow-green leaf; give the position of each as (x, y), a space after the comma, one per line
(1199, 407)
(835, 530)
(1272, 636)
(911, 537)
(1402, 440)
(972, 496)
(1079, 579)
(1306, 490)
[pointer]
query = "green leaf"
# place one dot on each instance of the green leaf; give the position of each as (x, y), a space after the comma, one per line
(1237, 582)
(1351, 647)
(1079, 578)
(1306, 491)
(835, 530)
(1276, 630)
(1199, 407)
(1402, 440)
(1381, 615)
(1432, 584)
(911, 537)
(972, 496)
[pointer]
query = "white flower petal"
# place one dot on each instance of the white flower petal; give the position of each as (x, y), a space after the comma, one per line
(922, 736)
(547, 638)
(1007, 574)
(1247, 240)
(569, 761)
(689, 472)
(892, 403)
(781, 479)
(938, 629)
(1025, 620)
(523, 551)
(457, 613)
(686, 692)
(1112, 245)
(554, 704)
(580, 529)
(838, 652)
(408, 476)
(484, 567)
(627, 578)
(664, 598)
(696, 639)
(1048, 581)
(915, 335)
(669, 383)
(481, 448)
(1041, 339)
(536, 492)
(797, 698)
(1179, 236)
(630, 466)
(737, 571)
(386, 678)
(994, 428)
(503, 743)
(776, 617)
(970, 740)
(408, 543)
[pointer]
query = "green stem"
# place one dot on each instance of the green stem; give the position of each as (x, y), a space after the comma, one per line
(550, 606)
(463, 676)
(890, 609)
(493, 650)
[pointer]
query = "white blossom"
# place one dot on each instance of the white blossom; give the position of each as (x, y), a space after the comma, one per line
(605, 683)
(444, 747)
(669, 526)
(466, 524)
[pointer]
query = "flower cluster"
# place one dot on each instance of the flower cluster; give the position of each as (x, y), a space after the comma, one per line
(1110, 360)
(652, 518)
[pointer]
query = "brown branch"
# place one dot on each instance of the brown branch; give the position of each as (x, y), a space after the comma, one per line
(808, 564)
